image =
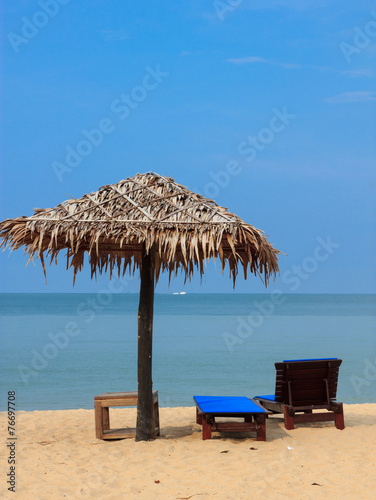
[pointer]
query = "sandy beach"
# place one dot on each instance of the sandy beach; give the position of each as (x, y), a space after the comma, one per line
(57, 456)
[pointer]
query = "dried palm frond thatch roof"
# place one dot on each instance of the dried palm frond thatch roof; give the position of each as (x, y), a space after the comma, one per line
(113, 223)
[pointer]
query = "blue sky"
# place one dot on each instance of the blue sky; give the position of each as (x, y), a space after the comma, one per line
(267, 107)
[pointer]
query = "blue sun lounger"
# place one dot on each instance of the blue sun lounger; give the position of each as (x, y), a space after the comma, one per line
(208, 408)
(304, 385)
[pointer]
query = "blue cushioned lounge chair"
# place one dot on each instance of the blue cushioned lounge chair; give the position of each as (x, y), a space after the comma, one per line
(208, 408)
(303, 386)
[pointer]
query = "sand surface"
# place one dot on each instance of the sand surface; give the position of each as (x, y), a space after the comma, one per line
(58, 457)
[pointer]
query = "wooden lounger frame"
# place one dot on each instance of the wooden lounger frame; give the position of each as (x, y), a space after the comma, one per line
(304, 386)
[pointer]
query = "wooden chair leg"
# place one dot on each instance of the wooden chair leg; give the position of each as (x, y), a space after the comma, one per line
(198, 416)
(289, 419)
(340, 421)
(206, 429)
(261, 428)
(156, 418)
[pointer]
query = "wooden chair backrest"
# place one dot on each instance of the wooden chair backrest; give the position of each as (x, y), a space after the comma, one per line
(303, 383)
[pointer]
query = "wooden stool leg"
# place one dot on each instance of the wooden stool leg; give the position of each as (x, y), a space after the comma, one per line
(98, 420)
(106, 418)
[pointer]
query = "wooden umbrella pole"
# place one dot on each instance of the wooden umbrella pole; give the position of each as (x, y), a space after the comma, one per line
(145, 429)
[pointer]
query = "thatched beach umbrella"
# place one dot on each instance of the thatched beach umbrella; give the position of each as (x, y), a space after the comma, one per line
(148, 222)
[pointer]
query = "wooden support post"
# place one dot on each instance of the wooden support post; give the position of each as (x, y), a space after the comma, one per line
(145, 428)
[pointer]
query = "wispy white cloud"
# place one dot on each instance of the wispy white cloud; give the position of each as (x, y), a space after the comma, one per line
(290, 4)
(284, 4)
(115, 34)
(256, 59)
(357, 72)
(356, 96)
(253, 59)
(185, 53)
(221, 9)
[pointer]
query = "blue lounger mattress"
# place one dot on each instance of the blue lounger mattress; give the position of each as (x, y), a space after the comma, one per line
(314, 359)
(227, 404)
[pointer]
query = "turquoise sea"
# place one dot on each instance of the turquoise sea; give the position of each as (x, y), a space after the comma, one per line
(60, 350)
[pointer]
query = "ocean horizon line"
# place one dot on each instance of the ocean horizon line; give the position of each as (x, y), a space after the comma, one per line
(190, 293)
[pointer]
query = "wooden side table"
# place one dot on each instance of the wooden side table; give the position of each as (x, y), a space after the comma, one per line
(102, 404)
